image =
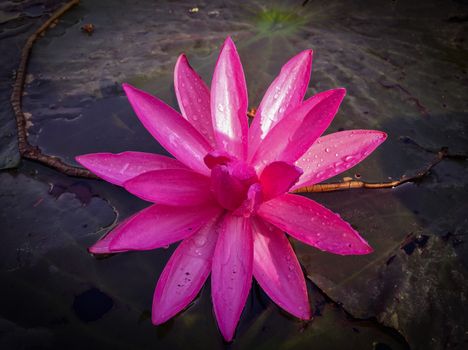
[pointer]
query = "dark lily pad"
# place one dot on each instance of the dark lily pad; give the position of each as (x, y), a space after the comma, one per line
(404, 66)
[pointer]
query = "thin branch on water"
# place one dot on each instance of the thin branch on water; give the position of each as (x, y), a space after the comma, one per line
(352, 184)
(25, 148)
(441, 154)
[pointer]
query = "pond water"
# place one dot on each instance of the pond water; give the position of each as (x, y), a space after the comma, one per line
(404, 65)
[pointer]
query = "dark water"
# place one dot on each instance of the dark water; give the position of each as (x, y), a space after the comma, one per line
(404, 65)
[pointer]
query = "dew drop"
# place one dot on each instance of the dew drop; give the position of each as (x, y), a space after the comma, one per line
(327, 149)
(338, 164)
(200, 241)
(319, 174)
(220, 108)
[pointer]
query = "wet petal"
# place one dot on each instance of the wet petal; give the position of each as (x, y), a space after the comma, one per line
(332, 154)
(285, 93)
(313, 224)
(168, 127)
(277, 178)
(250, 205)
(231, 181)
(232, 272)
(229, 102)
(218, 157)
(171, 187)
(228, 190)
(185, 273)
(296, 132)
(194, 98)
(102, 246)
(118, 168)
(276, 269)
(160, 225)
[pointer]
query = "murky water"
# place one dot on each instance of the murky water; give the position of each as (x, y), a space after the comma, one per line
(404, 65)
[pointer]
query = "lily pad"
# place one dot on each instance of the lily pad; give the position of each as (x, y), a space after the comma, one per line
(405, 69)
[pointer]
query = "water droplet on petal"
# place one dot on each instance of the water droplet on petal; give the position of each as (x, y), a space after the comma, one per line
(200, 241)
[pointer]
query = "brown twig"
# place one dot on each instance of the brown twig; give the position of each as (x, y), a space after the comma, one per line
(251, 112)
(347, 185)
(25, 148)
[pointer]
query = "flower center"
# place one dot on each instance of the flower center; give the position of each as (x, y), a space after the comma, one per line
(234, 183)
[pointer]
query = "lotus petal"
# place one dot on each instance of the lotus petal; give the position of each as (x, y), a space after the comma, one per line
(332, 154)
(168, 127)
(182, 187)
(194, 98)
(276, 269)
(285, 93)
(118, 168)
(313, 224)
(229, 102)
(295, 133)
(160, 225)
(185, 273)
(231, 276)
(277, 178)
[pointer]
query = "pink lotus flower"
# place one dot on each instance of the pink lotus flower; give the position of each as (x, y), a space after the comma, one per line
(225, 195)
